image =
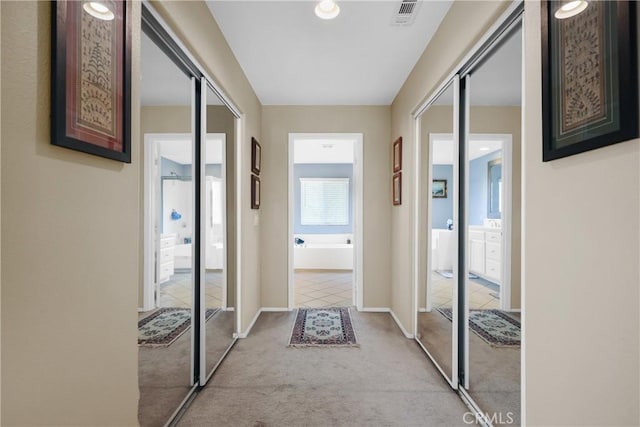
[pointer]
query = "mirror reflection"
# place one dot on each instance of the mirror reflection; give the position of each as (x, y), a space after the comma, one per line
(164, 328)
(219, 296)
(438, 272)
(493, 284)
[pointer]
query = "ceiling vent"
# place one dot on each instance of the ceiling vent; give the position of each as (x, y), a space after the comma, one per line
(406, 12)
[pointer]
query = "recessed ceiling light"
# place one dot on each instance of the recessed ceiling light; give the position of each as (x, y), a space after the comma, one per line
(571, 8)
(98, 9)
(327, 9)
(484, 149)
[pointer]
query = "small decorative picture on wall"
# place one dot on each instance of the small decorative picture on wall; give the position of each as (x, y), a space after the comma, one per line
(255, 192)
(91, 78)
(589, 76)
(397, 155)
(255, 156)
(439, 188)
(397, 189)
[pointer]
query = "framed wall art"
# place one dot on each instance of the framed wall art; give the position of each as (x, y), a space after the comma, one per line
(255, 192)
(589, 77)
(439, 188)
(91, 77)
(397, 155)
(256, 156)
(397, 189)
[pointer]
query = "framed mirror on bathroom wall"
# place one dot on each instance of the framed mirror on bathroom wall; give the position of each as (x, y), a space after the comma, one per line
(494, 189)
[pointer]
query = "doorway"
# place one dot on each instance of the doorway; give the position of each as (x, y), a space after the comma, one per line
(325, 220)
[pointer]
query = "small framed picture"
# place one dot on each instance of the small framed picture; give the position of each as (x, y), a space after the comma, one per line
(255, 156)
(255, 192)
(439, 189)
(397, 155)
(397, 189)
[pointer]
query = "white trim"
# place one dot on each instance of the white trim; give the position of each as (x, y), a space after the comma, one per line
(358, 209)
(274, 309)
(404, 331)
(437, 365)
(375, 310)
(253, 322)
(193, 217)
(465, 224)
(507, 221)
(151, 173)
(202, 357)
(240, 122)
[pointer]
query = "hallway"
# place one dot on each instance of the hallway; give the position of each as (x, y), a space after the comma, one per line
(386, 381)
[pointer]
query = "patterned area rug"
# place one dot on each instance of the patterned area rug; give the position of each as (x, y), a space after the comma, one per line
(323, 327)
(165, 325)
(493, 326)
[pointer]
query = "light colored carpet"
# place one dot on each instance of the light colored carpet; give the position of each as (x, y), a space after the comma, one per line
(386, 381)
(163, 372)
(494, 373)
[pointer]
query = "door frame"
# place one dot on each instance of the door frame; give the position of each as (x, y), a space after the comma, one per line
(152, 207)
(358, 206)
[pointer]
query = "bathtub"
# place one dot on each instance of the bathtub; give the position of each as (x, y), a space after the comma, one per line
(183, 254)
(323, 252)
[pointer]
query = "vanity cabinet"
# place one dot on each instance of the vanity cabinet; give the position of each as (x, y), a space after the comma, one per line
(485, 254)
(166, 257)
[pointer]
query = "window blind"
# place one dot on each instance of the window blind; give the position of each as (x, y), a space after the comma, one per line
(324, 201)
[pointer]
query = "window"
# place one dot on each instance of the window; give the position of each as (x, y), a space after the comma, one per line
(324, 201)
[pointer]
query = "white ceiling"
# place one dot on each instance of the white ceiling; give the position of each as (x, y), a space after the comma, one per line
(162, 82)
(479, 146)
(179, 149)
(323, 151)
(291, 57)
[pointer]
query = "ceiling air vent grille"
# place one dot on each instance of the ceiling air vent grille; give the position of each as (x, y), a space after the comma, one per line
(406, 13)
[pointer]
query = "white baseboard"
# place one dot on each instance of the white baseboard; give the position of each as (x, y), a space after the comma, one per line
(423, 310)
(514, 310)
(270, 309)
(404, 331)
(253, 321)
(375, 309)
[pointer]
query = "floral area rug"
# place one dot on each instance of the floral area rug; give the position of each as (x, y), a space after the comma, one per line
(165, 325)
(493, 326)
(323, 327)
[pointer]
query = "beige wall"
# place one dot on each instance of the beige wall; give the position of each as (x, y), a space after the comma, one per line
(197, 29)
(373, 122)
(463, 25)
(581, 264)
(70, 251)
(505, 120)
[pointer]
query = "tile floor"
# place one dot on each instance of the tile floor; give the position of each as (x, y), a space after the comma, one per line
(176, 292)
(323, 288)
(479, 295)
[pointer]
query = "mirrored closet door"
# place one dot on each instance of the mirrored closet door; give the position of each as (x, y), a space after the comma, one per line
(165, 336)
(217, 333)
(187, 323)
(437, 316)
(492, 139)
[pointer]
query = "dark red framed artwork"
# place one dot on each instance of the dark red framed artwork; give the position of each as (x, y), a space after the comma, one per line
(256, 156)
(397, 189)
(91, 79)
(255, 192)
(397, 155)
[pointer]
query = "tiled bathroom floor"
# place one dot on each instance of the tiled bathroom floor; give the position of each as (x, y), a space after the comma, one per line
(177, 291)
(323, 288)
(479, 296)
